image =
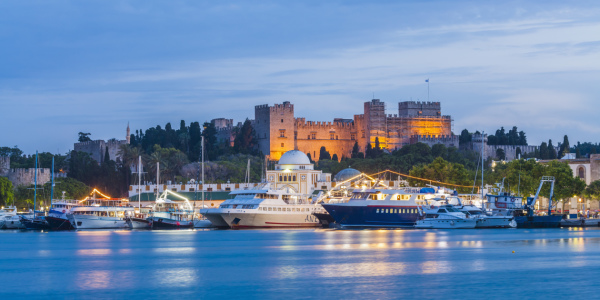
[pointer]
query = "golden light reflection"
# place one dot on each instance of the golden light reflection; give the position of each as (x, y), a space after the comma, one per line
(362, 269)
(93, 252)
(435, 267)
(176, 250)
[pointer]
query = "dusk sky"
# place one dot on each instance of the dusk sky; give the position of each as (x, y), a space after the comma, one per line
(94, 66)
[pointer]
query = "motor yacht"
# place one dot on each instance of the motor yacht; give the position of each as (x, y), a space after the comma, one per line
(445, 217)
(101, 214)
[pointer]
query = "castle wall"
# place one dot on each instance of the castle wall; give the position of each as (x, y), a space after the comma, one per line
(4, 165)
(412, 109)
(97, 149)
(337, 137)
(446, 140)
(21, 176)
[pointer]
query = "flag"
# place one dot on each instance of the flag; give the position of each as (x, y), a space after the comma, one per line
(427, 80)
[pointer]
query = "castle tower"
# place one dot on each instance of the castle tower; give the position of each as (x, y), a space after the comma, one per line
(128, 137)
(275, 129)
(375, 121)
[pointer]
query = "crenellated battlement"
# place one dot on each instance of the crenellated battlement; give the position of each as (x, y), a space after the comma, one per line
(302, 123)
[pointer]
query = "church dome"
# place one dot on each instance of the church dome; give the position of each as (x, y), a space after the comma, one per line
(346, 174)
(294, 157)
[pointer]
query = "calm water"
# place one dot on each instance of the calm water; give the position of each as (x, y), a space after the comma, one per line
(276, 264)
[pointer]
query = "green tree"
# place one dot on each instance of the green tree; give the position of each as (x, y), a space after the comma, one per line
(7, 196)
(245, 140)
(211, 151)
(500, 154)
(564, 147)
(442, 171)
(464, 138)
(551, 150)
(324, 154)
(84, 137)
(355, 150)
(334, 157)
(544, 152)
(592, 191)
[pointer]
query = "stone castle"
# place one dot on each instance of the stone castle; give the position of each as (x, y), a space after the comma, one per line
(278, 130)
(23, 176)
(98, 148)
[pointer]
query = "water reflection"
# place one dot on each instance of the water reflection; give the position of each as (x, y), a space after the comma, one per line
(96, 252)
(175, 250)
(93, 279)
(436, 267)
(180, 277)
(363, 269)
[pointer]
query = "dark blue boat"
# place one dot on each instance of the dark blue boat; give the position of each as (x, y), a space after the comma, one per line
(381, 208)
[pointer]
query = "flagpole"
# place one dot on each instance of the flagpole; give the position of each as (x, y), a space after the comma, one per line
(427, 89)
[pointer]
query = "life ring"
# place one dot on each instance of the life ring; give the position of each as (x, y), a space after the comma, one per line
(64, 211)
(512, 199)
(432, 207)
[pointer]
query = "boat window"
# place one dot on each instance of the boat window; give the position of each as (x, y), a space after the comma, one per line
(441, 210)
(377, 211)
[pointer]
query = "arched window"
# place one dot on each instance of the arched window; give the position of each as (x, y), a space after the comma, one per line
(581, 172)
(280, 179)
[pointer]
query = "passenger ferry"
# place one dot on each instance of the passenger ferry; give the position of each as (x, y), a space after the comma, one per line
(381, 208)
(101, 214)
(264, 207)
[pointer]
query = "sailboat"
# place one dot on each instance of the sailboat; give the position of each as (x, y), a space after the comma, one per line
(168, 214)
(138, 221)
(203, 222)
(37, 222)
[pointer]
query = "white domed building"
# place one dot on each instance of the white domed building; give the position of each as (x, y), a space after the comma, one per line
(295, 171)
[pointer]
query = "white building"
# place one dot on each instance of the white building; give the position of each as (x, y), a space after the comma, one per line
(294, 171)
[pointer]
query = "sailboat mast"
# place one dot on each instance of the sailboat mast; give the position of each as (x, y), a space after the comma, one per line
(202, 146)
(140, 183)
(482, 137)
(35, 184)
(52, 185)
(157, 177)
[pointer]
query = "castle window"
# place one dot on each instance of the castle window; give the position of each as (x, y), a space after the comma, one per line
(280, 178)
(363, 133)
(308, 137)
(581, 172)
(336, 137)
(331, 136)
(281, 144)
(313, 135)
(281, 120)
(281, 132)
(353, 137)
(294, 178)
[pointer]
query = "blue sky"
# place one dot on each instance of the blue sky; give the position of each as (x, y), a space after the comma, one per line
(93, 66)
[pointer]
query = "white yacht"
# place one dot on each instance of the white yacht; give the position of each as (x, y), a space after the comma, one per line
(101, 214)
(264, 207)
(445, 217)
(484, 219)
(9, 219)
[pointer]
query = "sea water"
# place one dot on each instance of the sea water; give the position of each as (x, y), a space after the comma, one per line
(301, 264)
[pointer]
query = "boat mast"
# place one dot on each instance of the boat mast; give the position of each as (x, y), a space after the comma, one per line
(157, 178)
(52, 186)
(482, 137)
(140, 183)
(202, 146)
(35, 184)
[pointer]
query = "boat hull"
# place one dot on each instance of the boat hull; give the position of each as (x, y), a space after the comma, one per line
(164, 223)
(35, 224)
(262, 220)
(59, 223)
(137, 223)
(203, 224)
(95, 222)
(496, 222)
(538, 221)
(367, 216)
(446, 224)
(13, 222)
(580, 223)
(324, 218)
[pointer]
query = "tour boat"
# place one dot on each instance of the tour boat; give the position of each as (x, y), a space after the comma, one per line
(169, 214)
(137, 221)
(264, 208)
(57, 215)
(381, 208)
(445, 217)
(101, 214)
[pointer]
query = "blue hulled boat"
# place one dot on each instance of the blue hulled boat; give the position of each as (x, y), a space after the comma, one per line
(382, 208)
